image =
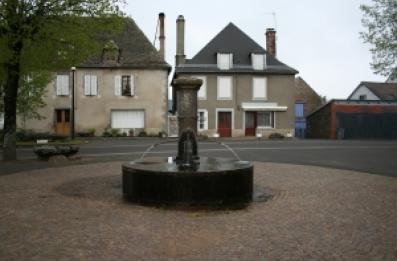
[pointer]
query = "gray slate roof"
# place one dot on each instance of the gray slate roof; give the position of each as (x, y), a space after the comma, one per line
(385, 91)
(135, 51)
(232, 40)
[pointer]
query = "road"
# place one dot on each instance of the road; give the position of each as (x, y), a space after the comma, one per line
(376, 157)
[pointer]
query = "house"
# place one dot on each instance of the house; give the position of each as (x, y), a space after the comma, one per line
(306, 101)
(370, 112)
(246, 90)
(374, 91)
(124, 88)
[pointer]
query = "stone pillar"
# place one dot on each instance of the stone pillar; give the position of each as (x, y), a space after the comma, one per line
(186, 102)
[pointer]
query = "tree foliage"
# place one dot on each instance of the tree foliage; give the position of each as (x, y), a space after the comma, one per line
(42, 36)
(380, 20)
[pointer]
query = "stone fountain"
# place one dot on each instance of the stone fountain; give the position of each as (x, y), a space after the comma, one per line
(189, 179)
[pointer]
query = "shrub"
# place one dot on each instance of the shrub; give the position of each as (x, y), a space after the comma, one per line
(162, 134)
(276, 135)
(142, 134)
(107, 133)
(115, 132)
(91, 132)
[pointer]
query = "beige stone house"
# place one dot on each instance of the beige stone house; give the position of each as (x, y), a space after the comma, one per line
(125, 88)
(246, 90)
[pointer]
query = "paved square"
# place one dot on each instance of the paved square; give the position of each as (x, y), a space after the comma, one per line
(77, 212)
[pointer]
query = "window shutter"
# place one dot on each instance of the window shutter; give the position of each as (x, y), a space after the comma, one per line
(117, 85)
(205, 120)
(259, 88)
(202, 93)
(87, 85)
(65, 85)
(132, 84)
(94, 85)
(58, 85)
(224, 87)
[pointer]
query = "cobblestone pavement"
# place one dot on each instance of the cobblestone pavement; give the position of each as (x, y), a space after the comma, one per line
(315, 214)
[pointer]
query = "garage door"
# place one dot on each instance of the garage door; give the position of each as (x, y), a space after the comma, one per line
(368, 126)
(128, 119)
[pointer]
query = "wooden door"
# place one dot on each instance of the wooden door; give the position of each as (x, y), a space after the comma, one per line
(225, 123)
(250, 123)
(62, 122)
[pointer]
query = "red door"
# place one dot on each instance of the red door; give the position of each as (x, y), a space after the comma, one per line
(225, 123)
(250, 123)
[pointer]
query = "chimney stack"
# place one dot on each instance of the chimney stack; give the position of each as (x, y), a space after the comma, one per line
(271, 41)
(180, 41)
(162, 36)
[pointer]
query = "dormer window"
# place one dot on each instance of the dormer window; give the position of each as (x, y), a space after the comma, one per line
(258, 61)
(111, 52)
(225, 61)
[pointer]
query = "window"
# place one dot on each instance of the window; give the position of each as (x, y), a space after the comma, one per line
(124, 85)
(202, 120)
(62, 85)
(202, 93)
(224, 88)
(299, 110)
(259, 88)
(265, 119)
(225, 61)
(258, 61)
(90, 85)
(363, 97)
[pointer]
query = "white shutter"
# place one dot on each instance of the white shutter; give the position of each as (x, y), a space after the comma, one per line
(65, 84)
(58, 85)
(132, 84)
(259, 88)
(224, 87)
(87, 85)
(205, 120)
(94, 85)
(117, 85)
(225, 61)
(258, 61)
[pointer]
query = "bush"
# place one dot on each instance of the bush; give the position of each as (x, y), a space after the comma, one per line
(142, 134)
(115, 132)
(30, 135)
(91, 132)
(276, 135)
(107, 133)
(162, 134)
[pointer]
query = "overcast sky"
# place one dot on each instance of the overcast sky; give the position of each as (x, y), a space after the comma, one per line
(319, 38)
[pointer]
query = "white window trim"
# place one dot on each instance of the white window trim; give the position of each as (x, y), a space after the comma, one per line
(231, 88)
(204, 79)
(205, 121)
(223, 110)
(253, 92)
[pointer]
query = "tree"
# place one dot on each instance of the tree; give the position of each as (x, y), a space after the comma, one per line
(47, 35)
(380, 20)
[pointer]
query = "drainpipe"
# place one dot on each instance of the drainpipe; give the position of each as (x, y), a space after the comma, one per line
(72, 105)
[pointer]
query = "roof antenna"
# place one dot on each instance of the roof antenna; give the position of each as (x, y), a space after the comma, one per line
(155, 34)
(274, 18)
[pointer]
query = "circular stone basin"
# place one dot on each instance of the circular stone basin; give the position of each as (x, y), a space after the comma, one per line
(214, 181)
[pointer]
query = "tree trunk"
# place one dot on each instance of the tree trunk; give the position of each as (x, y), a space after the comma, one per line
(10, 104)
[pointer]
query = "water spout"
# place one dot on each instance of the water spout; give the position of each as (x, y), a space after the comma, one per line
(148, 150)
(231, 150)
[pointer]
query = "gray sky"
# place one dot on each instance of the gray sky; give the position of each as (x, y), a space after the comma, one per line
(318, 38)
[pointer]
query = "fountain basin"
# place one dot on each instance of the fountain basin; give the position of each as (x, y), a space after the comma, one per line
(214, 181)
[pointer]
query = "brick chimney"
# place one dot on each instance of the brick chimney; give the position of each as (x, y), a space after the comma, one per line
(162, 36)
(180, 41)
(271, 41)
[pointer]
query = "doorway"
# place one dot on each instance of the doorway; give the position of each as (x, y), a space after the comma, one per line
(62, 122)
(225, 123)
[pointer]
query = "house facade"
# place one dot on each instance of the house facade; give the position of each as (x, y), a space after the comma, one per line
(246, 91)
(124, 88)
(306, 101)
(375, 91)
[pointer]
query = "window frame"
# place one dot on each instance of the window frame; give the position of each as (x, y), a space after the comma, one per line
(62, 88)
(90, 87)
(254, 57)
(272, 120)
(263, 98)
(205, 120)
(224, 65)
